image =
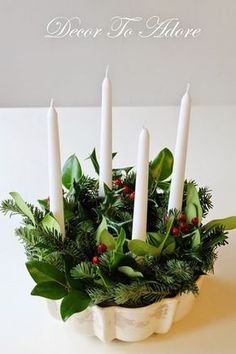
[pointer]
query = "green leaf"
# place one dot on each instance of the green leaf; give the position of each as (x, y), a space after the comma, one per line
(101, 227)
(141, 248)
(196, 239)
(22, 206)
(50, 290)
(190, 212)
(50, 223)
(127, 260)
(93, 158)
(75, 301)
(166, 237)
(117, 259)
(44, 272)
(163, 185)
(43, 203)
(170, 248)
(161, 166)
(71, 171)
(118, 253)
(193, 207)
(228, 223)
(120, 241)
(130, 272)
(107, 238)
(155, 238)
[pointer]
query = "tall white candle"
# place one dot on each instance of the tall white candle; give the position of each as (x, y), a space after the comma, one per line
(105, 173)
(139, 229)
(178, 175)
(54, 167)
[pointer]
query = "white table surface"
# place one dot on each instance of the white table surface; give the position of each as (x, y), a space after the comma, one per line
(26, 326)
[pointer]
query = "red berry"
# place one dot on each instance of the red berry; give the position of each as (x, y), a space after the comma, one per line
(102, 248)
(182, 217)
(126, 189)
(118, 182)
(132, 196)
(175, 231)
(184, 227)
(195, 221)
(95, 260)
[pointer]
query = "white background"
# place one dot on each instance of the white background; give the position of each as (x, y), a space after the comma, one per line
(26, 327)
(145, 72)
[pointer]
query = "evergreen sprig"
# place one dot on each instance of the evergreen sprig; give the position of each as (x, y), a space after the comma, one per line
(167, 264)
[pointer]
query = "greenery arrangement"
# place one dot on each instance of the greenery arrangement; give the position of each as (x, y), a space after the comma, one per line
(97, 263)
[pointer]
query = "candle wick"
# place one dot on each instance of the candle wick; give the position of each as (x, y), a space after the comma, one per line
(188, 87)
(107, 69)
(51, 103)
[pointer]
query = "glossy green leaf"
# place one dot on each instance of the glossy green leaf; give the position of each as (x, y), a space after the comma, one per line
(75, 301)
(101, 227)
(190, 212)
(196, 239)
(161, 166)
(43, 203)
(170, 248)
(120, 241)
(130, 272)
(43, 272)
(155, 238)
(193, 207)
(50, 223)
(50, 290)
(166, 236)
(228, 223)
(71, 171)
(118, 253)
(107, 238)
(93, 158)
(22, 206)
(141, 248)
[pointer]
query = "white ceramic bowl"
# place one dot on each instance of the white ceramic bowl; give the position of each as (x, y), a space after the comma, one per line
(128, 324)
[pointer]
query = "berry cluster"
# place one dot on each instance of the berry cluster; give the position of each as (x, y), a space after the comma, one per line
(181, 225)
(126, 190)
(102, 248)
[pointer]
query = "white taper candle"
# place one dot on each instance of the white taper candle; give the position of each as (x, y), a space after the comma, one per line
(54, 167)
(178, 175)
(105, 173)
(139, 229)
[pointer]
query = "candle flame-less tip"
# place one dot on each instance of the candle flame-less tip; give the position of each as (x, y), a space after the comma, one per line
(188, 87)
(51, 103)
(107, 69)
(144, 130)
